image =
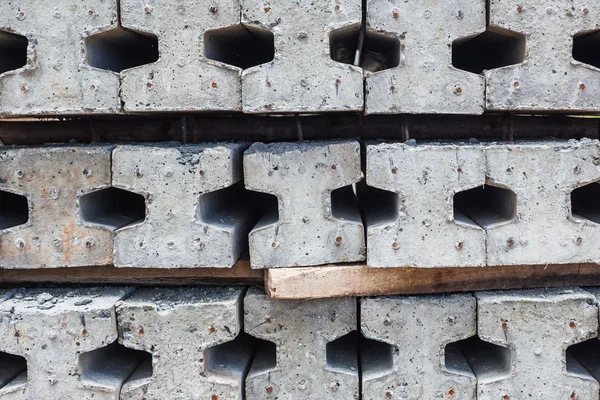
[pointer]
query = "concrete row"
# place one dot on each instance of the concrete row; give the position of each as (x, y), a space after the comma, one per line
(224, 343)
(65, 57)
(295, 204)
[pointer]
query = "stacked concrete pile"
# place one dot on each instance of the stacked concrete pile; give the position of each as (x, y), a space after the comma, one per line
(429, 205)
(111, 56)
(226, 343)
(293, 204)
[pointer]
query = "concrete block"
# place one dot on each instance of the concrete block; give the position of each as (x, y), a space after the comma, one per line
(189, 333)
(537, 326)
(195, 217)
(425, 80)
(305, 366)
(302, 77)
(415, 225)
(53, 232)
(56, 79)
(546, 228)
(53, 329)
(549, 78)
(419, 328)
(314, 224)
(183, 79)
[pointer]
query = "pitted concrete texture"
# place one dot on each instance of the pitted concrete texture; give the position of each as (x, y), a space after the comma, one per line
(53, 329)
(302, 76)
(537, 326)
(418, 228)
(543, 176)
(189, 333)
(187, 190)
(54, 179)
(56, 79)
(425, 80)
(420, 328)
(314, 226)
(183, 79)
(305, 367)
(549, 78)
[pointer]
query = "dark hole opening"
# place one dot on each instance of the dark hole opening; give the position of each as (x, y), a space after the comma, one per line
(112, 208)
(13, 372)
(586, 48)
(485, 206)
(342, 353)
(236, 207)
(14, 210)
(111, 366)
(585, 202)
(120, 49)
(487, 361)
(491, 49)
(232, 359)
(265, 358)
(344, 204)
(584, 358)
(241, 45)
(377, 206)
(379, 51)
(13, 51)
(376, 358)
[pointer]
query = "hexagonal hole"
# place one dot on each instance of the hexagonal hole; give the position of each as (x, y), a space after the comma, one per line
(240, 45)
(494, 48)
(586, 48)
(265, 358)
(120, 49)
(14, 210)
(232, 360)
(237, 208)
(583, 359)
(378, 51)
(342, 353)
(13, 373)
(13, 51)
(485, 206)
(585, 202)
(108, 368)
(377, 206)
(112, 208)
(344, 204)
(472, 356)
(376, 358)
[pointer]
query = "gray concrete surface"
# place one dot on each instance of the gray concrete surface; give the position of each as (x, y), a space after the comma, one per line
(302, 368)
(418, 365)
(183, 79)
(425, 80)
(57, 80)
(549, 79)
(56, 234)
(418, 228)
(312, 225)
(302, 77)
(189, 333)
(545, 229)
(537, 326)
(194, 217)
(54, 330)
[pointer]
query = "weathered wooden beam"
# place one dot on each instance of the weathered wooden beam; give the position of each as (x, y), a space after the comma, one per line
(359, 280)
(241, 273)
(221, 127)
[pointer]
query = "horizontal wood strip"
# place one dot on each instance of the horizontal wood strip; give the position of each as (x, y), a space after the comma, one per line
(360, 280)
(241, 273)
